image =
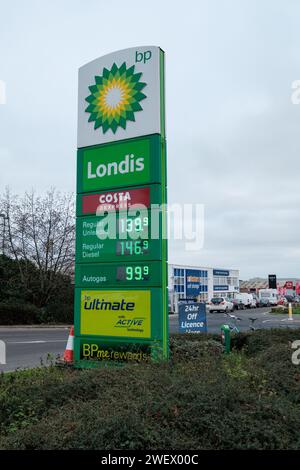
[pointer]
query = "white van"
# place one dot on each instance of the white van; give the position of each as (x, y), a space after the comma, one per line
(246, 299)
(268, 296)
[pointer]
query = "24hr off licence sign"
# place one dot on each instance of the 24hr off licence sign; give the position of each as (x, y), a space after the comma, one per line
(121, 280)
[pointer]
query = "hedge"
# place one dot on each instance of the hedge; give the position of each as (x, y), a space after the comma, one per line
(29, 314)
(200, 399)
(19, 314)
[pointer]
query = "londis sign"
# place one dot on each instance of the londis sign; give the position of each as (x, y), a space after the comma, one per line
(121, 96)
(129, 163)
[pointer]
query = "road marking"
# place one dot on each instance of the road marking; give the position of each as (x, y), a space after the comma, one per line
(37, 341)
(287, 319)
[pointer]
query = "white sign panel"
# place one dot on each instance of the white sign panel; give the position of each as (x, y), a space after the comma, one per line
(120, 96)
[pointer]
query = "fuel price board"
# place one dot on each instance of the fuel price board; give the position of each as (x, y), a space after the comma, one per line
(119, 274)
(101, 238)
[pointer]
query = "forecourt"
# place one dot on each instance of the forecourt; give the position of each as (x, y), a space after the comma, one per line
(121, 254)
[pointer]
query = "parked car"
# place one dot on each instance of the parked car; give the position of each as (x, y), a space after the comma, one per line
(237, 304)
(264, 302)
(220, 304)
(269, 295)
(247, 299)
(282, 301)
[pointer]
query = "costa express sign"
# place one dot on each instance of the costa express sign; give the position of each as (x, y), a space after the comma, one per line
(114, 201)
(124, 199)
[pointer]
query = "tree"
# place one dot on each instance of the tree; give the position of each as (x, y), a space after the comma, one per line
(40, 236)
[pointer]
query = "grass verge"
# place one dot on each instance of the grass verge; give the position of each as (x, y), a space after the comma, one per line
(280, 310)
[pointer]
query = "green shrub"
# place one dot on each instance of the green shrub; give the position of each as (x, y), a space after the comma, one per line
(260, 340)
(200, 399)
(19, 314)
(28, 314)
(58, 313)
(30, 302)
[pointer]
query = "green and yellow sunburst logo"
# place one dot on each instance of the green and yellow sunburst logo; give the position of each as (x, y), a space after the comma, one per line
(115, 97)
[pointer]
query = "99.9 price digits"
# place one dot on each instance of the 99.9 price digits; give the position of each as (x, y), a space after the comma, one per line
(133, 273)
(137, 273)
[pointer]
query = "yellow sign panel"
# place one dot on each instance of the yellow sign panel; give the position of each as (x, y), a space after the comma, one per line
(116, 313)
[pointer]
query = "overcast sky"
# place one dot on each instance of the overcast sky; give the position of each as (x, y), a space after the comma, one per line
(233, 134)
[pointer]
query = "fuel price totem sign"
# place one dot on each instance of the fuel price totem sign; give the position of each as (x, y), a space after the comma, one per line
(121, 308)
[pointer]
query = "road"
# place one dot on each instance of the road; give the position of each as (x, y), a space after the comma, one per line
(264, 320)
(28, 347)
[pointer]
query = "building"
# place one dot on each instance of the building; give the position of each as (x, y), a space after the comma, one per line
(289, 285)
(203, 283)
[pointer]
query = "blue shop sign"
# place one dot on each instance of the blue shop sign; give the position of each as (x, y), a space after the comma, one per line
(216, 288)
(220, 272)
(193, 284)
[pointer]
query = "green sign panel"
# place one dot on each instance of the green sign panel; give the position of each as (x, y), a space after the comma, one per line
(120, 164)
(118, 245)
(89, 351)
(111, 315)
(115, 312)
(119, 274)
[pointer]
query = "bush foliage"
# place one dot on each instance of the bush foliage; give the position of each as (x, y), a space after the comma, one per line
(20, 306)
(199, 399)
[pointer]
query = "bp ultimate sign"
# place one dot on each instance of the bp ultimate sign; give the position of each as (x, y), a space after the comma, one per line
(121, 252)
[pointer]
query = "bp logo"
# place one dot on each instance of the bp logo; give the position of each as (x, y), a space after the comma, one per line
(115, 97)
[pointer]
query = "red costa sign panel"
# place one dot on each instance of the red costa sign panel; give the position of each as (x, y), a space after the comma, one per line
(115, 200)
